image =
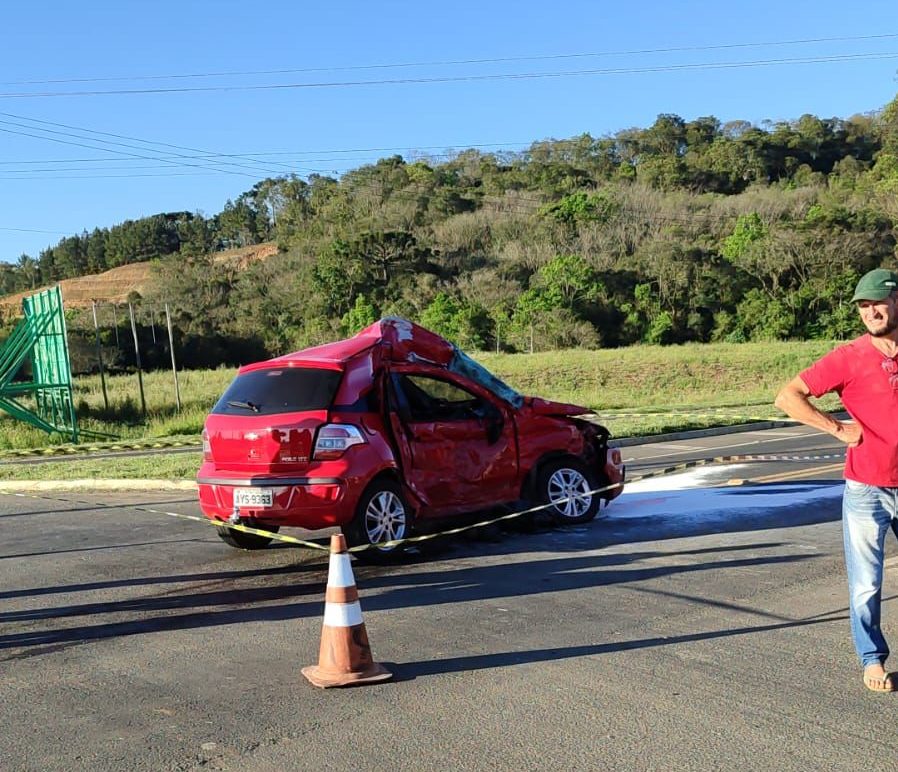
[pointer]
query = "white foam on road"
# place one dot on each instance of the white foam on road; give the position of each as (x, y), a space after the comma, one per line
(692, 478)
(687, 495)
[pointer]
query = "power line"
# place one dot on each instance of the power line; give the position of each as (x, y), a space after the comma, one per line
(288, 169)
(110, 142)
(32, 230)
(211, 173)
(171, 160)
(278, 174)
(107, 150)
(457, 62)
(461, 78)
(449, 151)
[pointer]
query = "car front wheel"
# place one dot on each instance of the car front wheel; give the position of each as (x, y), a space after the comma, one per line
(566, 486)
(382, 516)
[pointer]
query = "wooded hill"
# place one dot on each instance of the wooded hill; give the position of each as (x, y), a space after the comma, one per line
(682, 231)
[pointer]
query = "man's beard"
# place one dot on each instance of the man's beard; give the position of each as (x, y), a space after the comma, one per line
(889, 327)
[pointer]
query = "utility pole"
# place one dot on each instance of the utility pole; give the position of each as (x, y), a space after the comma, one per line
(115, 327)
(171, 348)
(93, 306)
(143, 402)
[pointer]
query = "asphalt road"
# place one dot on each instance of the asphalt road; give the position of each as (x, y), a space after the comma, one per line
(697, 628)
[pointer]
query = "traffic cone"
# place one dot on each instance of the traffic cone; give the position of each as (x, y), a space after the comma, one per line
(345, 655)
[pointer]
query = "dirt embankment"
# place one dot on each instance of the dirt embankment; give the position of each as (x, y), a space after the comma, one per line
(115, 285)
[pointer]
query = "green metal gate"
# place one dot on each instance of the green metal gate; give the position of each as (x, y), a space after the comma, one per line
(40, 338)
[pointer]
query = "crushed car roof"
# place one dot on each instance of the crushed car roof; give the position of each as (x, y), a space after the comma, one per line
(405, 341)
(401, 341)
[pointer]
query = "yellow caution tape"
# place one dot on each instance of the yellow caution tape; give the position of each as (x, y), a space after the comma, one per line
(60, 450)
(667, 470)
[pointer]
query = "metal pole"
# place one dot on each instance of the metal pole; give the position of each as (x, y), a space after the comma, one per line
(115, 327)
(93, 306)
(143, 402)
(171, 347)
(153, 323)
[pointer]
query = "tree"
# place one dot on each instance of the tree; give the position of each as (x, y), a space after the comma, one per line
(357, 318)
(568, 281)
(29, 270)
(96, 251)
(196, 236)
(339, 275)
(582, 207)
(461, 322)
(758, 317)
(238, 223)
(749, 229)
(388, 253)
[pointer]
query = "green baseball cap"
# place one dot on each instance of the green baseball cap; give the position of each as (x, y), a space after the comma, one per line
(878, 284)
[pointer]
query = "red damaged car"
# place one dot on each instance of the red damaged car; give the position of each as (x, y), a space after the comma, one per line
(386, 430)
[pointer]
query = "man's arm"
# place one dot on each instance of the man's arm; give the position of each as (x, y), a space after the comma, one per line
(793, 401)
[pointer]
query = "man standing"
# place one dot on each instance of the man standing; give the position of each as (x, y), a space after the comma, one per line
(864, 373)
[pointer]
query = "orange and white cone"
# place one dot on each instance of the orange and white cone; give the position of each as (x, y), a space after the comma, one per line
(345, 655)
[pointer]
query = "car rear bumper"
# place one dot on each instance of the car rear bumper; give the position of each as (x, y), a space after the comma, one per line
(299, 502)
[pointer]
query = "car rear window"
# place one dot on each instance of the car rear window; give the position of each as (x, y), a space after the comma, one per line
(283, 390)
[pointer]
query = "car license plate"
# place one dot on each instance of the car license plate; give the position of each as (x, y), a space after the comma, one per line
(253, 497)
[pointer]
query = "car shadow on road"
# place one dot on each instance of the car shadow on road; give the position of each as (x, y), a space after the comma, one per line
(230, 604)
(100, 548)
(89, 506)
(143, 581)
(577, 562)
(536, 532)
(408, 671)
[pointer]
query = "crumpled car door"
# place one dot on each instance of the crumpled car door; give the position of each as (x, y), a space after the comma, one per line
(458, 457)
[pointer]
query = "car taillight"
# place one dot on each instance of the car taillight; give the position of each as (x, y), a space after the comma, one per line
(614, 456)
(207, 447)
(334, 440)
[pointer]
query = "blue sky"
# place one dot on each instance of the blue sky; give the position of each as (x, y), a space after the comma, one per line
(452, 99)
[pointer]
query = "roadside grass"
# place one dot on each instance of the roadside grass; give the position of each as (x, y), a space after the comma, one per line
(692, 386)
(660, 377)
(668, 388)
(174, 466)
(123, 419)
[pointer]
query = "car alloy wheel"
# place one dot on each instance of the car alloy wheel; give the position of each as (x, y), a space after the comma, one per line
(385, 518)
(382, 516)
(566, 485)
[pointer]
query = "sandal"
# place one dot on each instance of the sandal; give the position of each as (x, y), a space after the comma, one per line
(879, 683)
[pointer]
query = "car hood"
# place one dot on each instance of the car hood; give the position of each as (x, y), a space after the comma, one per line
(539, 406)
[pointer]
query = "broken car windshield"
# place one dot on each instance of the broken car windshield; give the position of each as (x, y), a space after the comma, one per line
(463, 365)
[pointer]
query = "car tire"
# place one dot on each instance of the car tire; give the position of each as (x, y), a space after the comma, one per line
(382, 515)
(246, 541)
(568, 482)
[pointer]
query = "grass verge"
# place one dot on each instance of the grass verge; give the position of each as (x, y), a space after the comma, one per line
(160, 466)
(636, 391)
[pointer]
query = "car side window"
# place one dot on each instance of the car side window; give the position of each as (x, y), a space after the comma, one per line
(432, 399)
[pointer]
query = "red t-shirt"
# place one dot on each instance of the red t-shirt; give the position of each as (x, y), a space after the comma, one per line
(854, 371)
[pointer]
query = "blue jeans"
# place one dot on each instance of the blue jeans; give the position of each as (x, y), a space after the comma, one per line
(867, 514)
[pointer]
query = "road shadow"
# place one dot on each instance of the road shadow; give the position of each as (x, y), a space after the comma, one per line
(408, 671)
(577, 562)
(230, 604)
(144, 581)
(650, 516)
(101, 548)
(90, 506)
